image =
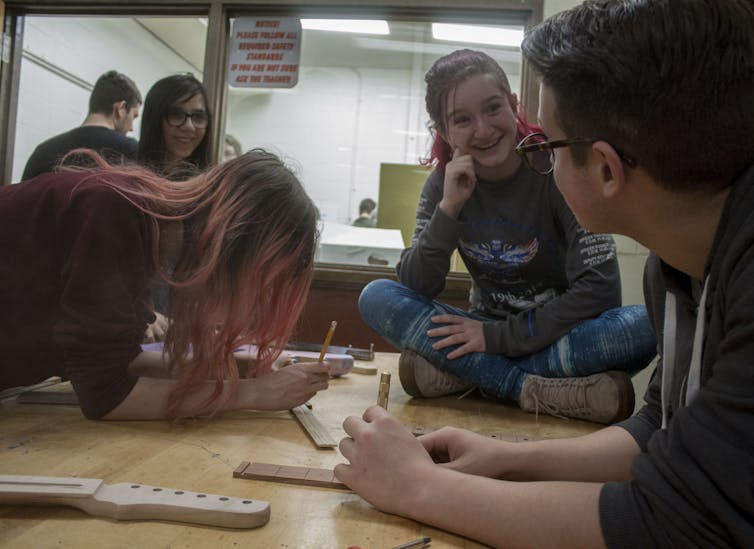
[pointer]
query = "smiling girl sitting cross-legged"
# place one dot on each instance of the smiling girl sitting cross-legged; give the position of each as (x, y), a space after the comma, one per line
(545, 328)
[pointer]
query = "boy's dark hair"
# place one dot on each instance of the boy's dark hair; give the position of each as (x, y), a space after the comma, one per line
(669, 83)
(113, 87)
(161, 96)
(367, 205)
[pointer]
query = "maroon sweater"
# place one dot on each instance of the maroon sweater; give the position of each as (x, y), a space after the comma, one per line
(74, 286)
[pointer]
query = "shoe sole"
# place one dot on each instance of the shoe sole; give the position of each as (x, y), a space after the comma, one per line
(406, 374)
(626, 396)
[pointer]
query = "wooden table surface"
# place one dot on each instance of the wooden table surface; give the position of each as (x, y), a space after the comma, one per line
(200, 456)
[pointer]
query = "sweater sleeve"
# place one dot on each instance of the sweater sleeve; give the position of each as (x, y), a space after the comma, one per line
(691, 485)
(644, 423)
(593, 288)
(104, 294)
(425, 264)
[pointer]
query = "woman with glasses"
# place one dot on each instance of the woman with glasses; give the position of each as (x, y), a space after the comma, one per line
(174, 140)
(545, 327)
(85, 244)
(174, 143)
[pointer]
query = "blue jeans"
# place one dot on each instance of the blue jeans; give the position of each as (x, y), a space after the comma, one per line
(618, 339)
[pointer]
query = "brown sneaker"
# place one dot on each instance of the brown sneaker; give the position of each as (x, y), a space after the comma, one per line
(607, 397)
(421, 379)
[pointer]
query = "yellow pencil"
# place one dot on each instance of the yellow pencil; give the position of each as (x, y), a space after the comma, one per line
(328, 338)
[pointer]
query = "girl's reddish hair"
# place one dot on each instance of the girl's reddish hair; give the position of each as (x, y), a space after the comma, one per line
(444, 75)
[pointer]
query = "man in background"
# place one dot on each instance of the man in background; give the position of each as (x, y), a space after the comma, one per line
(366, 214)
(113, 107)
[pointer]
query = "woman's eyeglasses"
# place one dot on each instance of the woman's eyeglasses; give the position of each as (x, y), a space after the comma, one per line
(539, 153)
(177, 118)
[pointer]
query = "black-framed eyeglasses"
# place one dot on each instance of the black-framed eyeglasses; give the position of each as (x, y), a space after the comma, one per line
(539, 153)
(177, 118)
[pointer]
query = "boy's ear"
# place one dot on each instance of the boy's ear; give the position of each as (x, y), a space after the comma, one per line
(120, 109)
(607, 169)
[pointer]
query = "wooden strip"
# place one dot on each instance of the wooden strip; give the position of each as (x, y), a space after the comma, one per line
(418, 430)
(366, 369)
(318, 432)
(241, 468)
(288, 474)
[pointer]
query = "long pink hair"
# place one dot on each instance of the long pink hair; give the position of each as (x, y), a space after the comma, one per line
(244, 271)
(444, 75)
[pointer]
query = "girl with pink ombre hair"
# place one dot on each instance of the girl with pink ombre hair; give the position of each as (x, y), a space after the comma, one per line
(87, 242)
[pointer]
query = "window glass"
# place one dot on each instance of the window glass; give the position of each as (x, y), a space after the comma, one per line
(355, 127)
(63, 56)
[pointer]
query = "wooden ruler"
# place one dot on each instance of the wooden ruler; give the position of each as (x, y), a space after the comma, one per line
(314, 428)
(288, 474)
(129, 501)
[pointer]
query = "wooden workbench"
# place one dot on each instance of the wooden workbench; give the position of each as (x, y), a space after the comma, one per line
(56, 440)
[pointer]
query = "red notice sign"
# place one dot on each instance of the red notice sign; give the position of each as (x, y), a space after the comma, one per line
(264, 52)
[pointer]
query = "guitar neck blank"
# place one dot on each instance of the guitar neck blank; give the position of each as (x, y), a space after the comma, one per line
(130, 501)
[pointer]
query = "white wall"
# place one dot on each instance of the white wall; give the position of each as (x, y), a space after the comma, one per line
(49, 104)
(375, 109)
(341, 107)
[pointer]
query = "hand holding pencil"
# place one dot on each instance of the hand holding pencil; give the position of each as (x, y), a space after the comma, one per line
(294, 382)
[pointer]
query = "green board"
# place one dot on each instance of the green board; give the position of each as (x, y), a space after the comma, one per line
(400, 187)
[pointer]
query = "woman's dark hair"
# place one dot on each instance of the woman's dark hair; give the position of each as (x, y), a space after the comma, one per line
(161, 97)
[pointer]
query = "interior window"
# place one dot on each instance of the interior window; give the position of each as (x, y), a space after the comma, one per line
(354, 125)
(63, 56)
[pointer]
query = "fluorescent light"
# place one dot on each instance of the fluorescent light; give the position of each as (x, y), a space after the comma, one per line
(498, 36)
(360, 26)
